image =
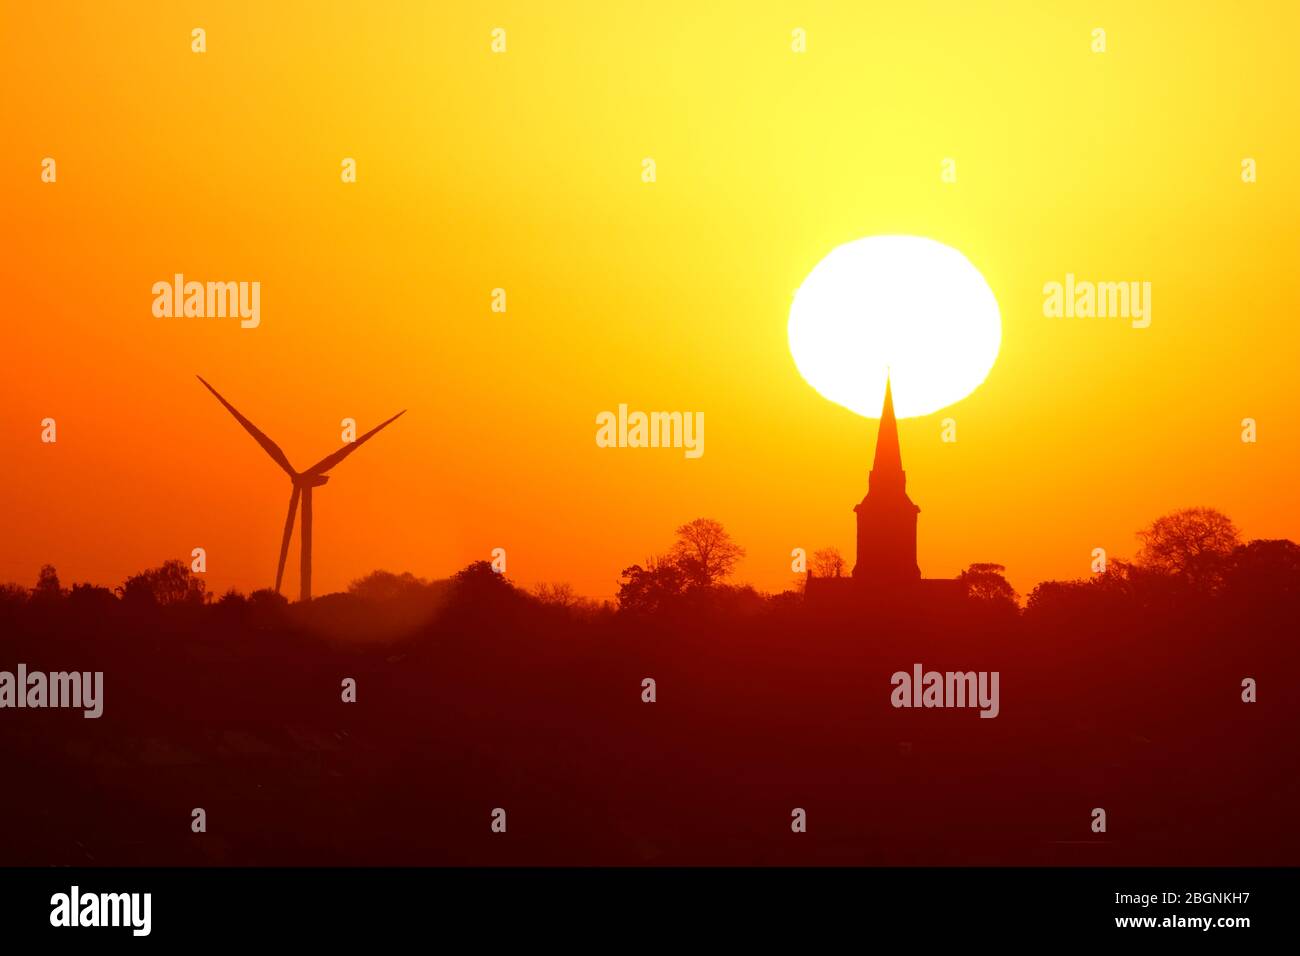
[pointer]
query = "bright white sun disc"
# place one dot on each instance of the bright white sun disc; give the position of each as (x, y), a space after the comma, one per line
(903, 304)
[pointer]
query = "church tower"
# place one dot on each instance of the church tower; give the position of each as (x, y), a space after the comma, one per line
(886, 516)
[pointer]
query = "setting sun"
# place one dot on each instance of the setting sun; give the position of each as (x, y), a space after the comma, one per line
(905, 306)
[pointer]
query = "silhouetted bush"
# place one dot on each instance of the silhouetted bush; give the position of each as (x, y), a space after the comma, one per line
(169, 585)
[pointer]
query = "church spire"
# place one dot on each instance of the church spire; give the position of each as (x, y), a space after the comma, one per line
(886, 516)
(889, 461)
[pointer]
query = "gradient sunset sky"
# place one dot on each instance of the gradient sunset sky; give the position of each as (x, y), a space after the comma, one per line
(522, 170)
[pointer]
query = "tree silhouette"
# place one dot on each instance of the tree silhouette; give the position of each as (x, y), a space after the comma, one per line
(12, 596)
(705, 552)
(267, 607)
(170, 584)
(1264, 568)
(90, 598)
(480, 585)
(557, 594)
(1193, 544)
(1053, 600)
(653, 588)
(986, 583)
(387, 586)
(47, 584)
(827, 563)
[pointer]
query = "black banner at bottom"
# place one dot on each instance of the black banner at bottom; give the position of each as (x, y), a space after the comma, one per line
(498, 906)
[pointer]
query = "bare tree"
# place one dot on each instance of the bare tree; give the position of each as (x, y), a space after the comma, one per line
(1194, 544)
(827, 563)
(705, 551)
(556, 594)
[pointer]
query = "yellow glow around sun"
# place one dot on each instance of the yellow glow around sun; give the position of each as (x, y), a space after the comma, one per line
(905, 304)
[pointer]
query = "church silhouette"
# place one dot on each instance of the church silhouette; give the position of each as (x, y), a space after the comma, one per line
(885, 568)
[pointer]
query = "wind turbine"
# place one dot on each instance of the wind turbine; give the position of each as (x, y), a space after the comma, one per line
(303, 483)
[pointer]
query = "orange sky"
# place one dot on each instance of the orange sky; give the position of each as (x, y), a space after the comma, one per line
(522, 170)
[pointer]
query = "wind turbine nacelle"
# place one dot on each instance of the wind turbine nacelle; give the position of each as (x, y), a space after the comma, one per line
(303, 483)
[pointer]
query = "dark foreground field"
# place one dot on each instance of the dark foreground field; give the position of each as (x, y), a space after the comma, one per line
(480, 697)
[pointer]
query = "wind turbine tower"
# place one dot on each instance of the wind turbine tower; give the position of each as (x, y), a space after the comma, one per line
(303, 483)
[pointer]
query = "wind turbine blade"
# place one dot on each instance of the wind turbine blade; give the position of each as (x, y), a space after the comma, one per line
(288, 533)
(269, 446)
(325, 464)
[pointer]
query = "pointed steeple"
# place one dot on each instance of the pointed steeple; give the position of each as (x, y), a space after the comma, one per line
(888, 465)
(886, 516)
